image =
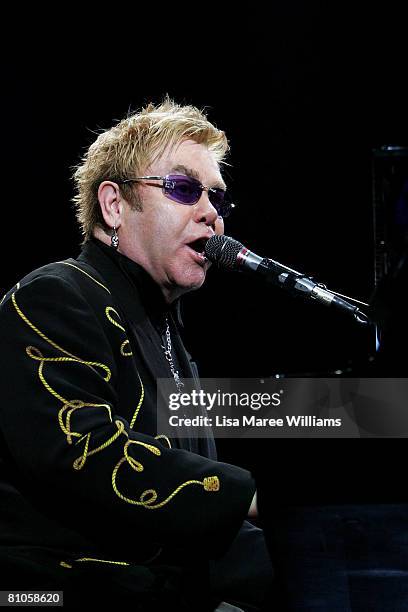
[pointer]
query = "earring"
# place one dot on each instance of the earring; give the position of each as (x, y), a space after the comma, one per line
(114, 238)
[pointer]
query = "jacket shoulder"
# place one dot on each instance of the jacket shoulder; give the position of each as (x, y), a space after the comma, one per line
(69, 274)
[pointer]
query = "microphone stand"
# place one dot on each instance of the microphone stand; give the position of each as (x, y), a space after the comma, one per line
(300, 284)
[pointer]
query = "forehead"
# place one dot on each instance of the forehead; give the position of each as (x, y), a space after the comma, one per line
(192, 158)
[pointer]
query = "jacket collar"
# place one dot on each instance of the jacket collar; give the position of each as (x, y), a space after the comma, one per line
(130, 283)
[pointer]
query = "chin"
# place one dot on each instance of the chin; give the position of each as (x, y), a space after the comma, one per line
(191, 280)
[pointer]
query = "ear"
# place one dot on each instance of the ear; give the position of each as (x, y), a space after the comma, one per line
(111, 203)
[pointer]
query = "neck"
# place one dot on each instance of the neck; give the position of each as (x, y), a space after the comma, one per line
(170, 293)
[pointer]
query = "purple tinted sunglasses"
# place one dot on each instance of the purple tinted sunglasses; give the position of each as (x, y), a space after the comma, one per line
(187, 190)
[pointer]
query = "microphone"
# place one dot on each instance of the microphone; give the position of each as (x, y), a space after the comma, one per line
(231, 254)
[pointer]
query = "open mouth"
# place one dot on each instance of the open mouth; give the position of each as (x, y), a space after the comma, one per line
(198, 246)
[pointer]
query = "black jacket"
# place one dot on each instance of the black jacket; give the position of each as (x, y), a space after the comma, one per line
(81, 470)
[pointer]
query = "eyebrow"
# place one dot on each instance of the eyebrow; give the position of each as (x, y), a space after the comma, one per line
(194, 174)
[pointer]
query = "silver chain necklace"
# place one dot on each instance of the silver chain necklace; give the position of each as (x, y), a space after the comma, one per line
(169, 357)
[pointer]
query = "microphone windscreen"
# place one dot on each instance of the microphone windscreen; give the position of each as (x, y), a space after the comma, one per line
(223, 250)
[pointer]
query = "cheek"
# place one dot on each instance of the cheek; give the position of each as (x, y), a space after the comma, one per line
(175, 219)
(161, 224)
(168, 230)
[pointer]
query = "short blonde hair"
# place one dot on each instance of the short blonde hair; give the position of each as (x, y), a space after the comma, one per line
(128, 148)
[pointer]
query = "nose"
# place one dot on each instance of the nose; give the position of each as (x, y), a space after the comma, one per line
(204, 211)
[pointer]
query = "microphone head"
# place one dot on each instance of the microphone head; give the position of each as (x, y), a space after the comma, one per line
(223, 250)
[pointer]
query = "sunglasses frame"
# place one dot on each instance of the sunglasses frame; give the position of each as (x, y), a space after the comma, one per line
(168, 183)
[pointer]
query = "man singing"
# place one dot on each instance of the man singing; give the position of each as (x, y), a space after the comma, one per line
(94, 501)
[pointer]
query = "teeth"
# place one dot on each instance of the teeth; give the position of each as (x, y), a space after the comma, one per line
(199, 246)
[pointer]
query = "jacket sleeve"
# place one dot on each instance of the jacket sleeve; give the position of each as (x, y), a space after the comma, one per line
(79, 459)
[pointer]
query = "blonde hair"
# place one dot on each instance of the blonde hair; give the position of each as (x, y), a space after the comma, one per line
(128, 148)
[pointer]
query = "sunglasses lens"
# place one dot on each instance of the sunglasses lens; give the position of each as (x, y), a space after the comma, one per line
(187, 190)
(218, 200)
(183, 189)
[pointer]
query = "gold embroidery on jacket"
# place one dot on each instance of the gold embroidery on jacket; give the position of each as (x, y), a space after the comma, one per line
(87, 559)
(139, 405)
(211, 483)
(80, 461)
(149, 496)
(66, 263)
(110, 309)
(69, 406)
(125, 353)
(55, 345)
(163, 437)
(101, 561)
(109, 561)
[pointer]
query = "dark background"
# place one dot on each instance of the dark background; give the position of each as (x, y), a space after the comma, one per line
(304, 94)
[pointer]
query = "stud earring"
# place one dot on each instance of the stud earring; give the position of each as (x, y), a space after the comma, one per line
(114, 238)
